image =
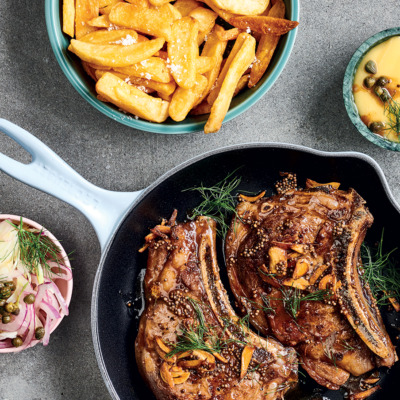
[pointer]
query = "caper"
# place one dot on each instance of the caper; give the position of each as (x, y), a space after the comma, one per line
(2, 302)
(17, 341)
(39, 333)
(382, 81)
(9, 307)
(16, 310)
(6, 319)
(376, 127)
(382, 93)
(3, 311)
(371, 67)
(369, 81)
(29, 299)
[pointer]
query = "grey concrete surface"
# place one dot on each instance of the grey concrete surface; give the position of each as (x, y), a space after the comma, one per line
(304, 107)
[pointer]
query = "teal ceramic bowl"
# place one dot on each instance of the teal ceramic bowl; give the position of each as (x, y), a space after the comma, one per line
(348, 86)
(84, 85)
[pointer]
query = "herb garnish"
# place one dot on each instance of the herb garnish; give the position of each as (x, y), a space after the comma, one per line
(380, 272)
(36, 251)
(292, 298)
(218, 201)
(392, 109)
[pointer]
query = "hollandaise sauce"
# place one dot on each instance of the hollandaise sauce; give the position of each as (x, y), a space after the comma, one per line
(376, 89)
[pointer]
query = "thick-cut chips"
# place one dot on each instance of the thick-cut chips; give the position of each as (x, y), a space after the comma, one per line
(155, 22)
(186, 6)
(206, 19)
(121, 36)
(131, 99)
(69, 17)
(266, 46)
(85, 10)
(243, 56)
(264, 24)
(184, 100)
(183, 51)
(153, 68)
(242, 7)
(215, 48)
(115, 56)
(133, 48)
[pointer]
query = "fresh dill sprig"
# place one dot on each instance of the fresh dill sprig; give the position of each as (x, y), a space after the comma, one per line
(265, 306)
(330, 354)
(392, 110)
(219, 202)
(198, 336)
(36, 251)
(292, 298)
(380, 272)
(346, 345)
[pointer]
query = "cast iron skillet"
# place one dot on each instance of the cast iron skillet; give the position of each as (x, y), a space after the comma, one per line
(121, 221)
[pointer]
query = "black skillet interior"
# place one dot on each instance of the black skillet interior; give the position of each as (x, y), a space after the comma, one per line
(259, 167)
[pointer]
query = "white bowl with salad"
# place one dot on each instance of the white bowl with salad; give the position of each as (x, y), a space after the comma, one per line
(35, 283)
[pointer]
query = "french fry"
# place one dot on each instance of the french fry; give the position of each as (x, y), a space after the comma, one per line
(100, 22)
(85, 10)
(230, 34)
(243, 57)
(106, 9)
(225, 15)
(89, 70)
(247, 7)
(69, 17)
(153, 68)
(158, 3)
(183, 51)
(215, 48)
(154, 22)
(217, 86)
(175, 12)
(206, 19)
(243, 81)
(183, 100)
(266, 46)
(99, 73)
(205, 64)
(131, 99)
(201, 109)
(263, 24)
(115, 55)
(102, 36)
(186, 6)
(165, 88)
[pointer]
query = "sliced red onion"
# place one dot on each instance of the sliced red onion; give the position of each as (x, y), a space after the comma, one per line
(51, 312)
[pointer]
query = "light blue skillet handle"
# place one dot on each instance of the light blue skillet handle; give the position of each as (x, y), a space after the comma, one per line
(49, 173)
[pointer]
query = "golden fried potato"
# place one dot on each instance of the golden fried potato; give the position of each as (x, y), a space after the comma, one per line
(243, 56)
(115, 55)
(131, 99)
(69, 17)
(158, 3)
(215, 48)
(155, 22)
(183, 51)
(206, 19)
(85, 10)
(103, 36)
(205, 64)
(186, 6)
(153, 68)
(184, 100)
(264, 24)
(266, 46)
(246, 7)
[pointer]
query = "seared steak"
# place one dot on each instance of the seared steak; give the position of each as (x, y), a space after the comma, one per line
(191, 344)
(293, 262)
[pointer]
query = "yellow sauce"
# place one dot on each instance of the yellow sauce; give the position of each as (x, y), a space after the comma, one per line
(371, 109)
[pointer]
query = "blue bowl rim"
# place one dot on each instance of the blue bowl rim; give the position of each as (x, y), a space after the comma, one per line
(53, 24)
(348, 88)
